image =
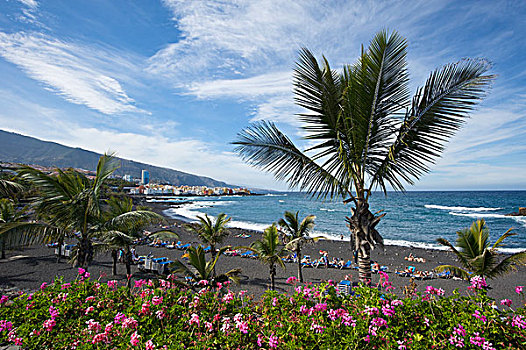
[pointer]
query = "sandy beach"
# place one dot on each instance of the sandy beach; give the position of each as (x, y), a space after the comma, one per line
(26, 269)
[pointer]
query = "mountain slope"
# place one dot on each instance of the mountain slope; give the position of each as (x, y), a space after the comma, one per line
(28, 150)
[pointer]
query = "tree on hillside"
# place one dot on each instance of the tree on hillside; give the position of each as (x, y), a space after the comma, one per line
(269, 251)
(296, 234)
(476, 254)
(211, 232)
(367, 132)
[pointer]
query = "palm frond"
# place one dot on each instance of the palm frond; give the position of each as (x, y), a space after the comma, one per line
(508, 264)
(262, 145)
(457, 271)
(438, 110)
(459, 255)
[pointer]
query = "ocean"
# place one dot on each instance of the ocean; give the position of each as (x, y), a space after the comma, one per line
(413, 218)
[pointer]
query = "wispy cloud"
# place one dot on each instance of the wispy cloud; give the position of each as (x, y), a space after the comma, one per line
(29, 3)
(81, 75)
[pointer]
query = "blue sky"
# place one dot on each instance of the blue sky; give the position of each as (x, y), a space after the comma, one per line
(171, 82)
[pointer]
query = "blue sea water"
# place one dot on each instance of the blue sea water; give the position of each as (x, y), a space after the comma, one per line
(413, 218)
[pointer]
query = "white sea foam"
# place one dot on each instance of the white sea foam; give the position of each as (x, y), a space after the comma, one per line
(276, 195)
(326, 209)
(281, 201)
(248, 225)
(520, 219)
(443, 207)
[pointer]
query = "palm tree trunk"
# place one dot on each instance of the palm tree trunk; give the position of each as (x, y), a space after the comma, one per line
(300, 273)
(272, 274)
(3, 250)
(114, 258)
(60, 242)
(364, 265)
(127, 258)
(362, 224)
(213, 252)
(85, 252)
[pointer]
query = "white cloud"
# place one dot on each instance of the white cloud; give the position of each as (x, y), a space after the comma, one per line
(81, 75)
(29, 3)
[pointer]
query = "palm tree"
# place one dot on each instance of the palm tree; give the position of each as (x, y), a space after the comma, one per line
(211, 232)
(367, 132)
(478, 256)
(9, 187)
(296, 234)
(122, 226)
(70, 203)
(200, 269)
(10, 234)
(269, 252)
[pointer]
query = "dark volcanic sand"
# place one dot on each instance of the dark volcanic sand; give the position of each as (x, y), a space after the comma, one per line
(28, 268)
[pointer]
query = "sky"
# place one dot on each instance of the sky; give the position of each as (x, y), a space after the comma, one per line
(171, 82)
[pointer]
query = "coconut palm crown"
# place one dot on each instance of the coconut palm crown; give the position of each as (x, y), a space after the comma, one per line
(269, 251)
(365, 131)
(296, 234)
(476, 254)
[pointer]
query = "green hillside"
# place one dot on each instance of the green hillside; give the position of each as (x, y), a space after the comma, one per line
(28, 150)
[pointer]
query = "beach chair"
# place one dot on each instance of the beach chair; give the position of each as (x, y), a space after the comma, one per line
(245, 254)
(347, 265)
(445, 274)
(163, 267)
(344, 287)
(185, 246)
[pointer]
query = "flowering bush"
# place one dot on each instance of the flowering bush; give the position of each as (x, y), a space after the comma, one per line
(163, 315)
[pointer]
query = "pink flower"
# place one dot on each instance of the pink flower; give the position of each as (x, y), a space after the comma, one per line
(203, 282)
(119, 318)
(108, 327)
(49, 324)
(65, 285)
(228, 297)
(100, 338)
(274, 301)
(459, 331)
(53, 312)
(81, 271)
(209, 326)
(145, 308)
(140, 283)
(291, 280)
(159, 314)
(112, 284)
(479, 316)
(506, 302)
(518, 289)
(130, 323)
(93, 326)
(157, 300)
(194, 319)
(89, 309)
(519, 321)
(476, 339)
(43, 286)
(90, 298)
(150, 345)
(260, 340)
(401, 345)
(134, 339)
(273, 341)
(317, 328)
(5, 325)
(456, 341)
(4, 299)
(477, 282)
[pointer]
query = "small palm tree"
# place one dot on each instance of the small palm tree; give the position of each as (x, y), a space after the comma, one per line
(123, 225)
(269, 251)
(70, 204)
(10, 233)
(211, 232)
(201, 269)
(478, 256)
(296, 234)
(367, 132)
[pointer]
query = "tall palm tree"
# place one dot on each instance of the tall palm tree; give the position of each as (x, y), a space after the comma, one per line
(296, 234)
(71, 203)
(269, 251)
(478, 256)
(366, 130)
(201, 269)
(211, 232)
(10, 234)
(122, 225)
(9, 187)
